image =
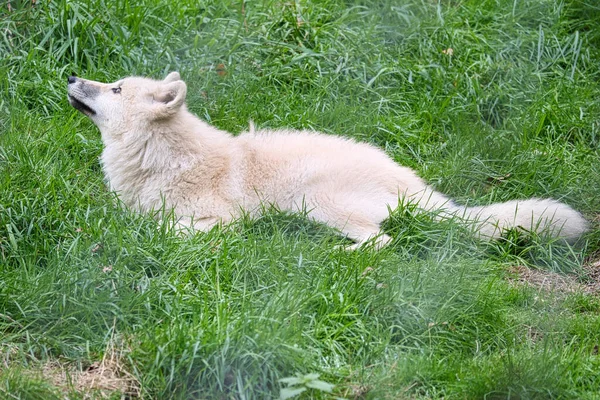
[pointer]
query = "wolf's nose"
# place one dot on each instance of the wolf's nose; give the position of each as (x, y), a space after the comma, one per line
(71, 79)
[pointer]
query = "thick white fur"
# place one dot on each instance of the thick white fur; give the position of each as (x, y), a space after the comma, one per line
(155, 151)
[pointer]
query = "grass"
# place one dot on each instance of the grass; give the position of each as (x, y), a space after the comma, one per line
(488, 100)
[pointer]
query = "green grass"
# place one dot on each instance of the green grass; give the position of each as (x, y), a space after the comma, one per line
(513, 112)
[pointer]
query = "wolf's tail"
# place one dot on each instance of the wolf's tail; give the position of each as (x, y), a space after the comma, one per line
(544, 216)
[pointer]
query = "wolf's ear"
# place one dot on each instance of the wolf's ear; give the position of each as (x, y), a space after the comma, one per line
(172, 77)
(169, 98)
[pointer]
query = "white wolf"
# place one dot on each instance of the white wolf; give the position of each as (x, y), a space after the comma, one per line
(156, 151)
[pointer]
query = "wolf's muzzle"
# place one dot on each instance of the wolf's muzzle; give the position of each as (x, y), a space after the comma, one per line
(74, 94)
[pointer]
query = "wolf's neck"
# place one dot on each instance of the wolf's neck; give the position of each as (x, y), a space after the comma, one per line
(164, 151)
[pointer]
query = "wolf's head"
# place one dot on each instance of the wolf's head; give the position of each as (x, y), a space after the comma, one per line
(129, 104)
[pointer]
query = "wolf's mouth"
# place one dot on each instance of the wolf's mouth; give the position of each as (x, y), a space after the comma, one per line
(81, 106)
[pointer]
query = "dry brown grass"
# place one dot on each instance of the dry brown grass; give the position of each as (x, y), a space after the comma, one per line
(100, 380)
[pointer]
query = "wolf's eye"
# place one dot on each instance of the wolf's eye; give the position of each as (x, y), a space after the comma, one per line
(116, 90)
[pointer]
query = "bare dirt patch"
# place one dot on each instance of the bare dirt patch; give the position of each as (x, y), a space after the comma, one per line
(592, 274)
(548, 281)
